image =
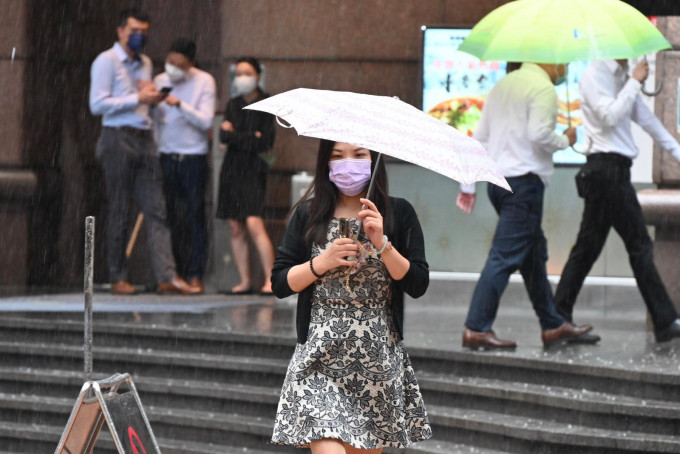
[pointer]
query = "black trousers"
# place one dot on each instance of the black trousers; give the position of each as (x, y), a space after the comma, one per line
(185, 178)
(611, 201)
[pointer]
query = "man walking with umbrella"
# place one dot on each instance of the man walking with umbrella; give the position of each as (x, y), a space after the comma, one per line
(518, 129)
(610, 101)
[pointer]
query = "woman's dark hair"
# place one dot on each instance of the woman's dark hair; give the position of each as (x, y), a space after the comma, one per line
(252, 61)
(323, 195)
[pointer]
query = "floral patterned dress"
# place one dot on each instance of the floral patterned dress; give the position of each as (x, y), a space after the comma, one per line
(352, 380)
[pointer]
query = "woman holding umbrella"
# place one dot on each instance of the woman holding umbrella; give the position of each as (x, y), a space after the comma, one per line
(350, 387)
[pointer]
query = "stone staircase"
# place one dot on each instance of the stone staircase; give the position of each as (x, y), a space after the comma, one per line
(209, 392)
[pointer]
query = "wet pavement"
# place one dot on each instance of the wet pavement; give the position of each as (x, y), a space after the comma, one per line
(434, 321)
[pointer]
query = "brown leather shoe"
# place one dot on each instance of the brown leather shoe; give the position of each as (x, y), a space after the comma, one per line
(486, 341)
(196, 282)
(177, 285)
(122, 288)
(563, 332)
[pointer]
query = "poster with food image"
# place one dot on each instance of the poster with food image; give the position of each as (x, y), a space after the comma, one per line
(455, 84)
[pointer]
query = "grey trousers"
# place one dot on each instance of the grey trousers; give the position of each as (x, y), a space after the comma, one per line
(131, 166)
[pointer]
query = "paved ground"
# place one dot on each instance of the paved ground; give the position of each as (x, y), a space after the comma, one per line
(433, 321)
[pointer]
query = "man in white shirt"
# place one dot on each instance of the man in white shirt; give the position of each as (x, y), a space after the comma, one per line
(518, 129)
(181, 126)
(610, 100)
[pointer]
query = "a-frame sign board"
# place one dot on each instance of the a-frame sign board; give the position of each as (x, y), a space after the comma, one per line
(122, 412)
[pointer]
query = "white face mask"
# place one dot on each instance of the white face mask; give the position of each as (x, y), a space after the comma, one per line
(174, 73)
(245, 84)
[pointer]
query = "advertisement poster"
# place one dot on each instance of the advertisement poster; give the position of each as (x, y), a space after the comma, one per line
(455, 86)
(569, 105)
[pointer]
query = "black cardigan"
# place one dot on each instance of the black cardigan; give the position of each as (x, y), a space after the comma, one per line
(407, 239)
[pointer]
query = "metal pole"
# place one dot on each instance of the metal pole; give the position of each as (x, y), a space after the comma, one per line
(87, 286)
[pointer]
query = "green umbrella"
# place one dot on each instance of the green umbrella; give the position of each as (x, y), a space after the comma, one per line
(562, 31)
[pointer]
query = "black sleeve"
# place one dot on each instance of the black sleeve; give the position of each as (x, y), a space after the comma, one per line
(411, 245)
(293, 251)
(268, 130)
(246, 140)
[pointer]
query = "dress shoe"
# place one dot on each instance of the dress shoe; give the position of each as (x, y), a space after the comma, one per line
(177, 285)
(564, 332)
(122, 288)
(196, 282)
(486, 341)
(585, 339)
(668, 333)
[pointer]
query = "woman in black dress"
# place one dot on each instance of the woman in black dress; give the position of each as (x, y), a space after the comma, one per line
(243, 178)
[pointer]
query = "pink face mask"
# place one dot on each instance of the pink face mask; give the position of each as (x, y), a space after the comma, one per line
(351, 176)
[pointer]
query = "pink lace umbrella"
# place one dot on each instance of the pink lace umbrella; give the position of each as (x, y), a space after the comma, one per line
(386, 125)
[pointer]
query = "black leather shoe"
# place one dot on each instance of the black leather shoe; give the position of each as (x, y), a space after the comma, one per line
(586, 339)
(563, 333)
(669, 333)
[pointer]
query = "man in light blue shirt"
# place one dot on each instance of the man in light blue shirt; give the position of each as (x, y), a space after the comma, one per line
(181, 125)
(121, 91)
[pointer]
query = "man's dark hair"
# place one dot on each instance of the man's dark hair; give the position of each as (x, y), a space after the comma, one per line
(134, 13)
(185, 47)
(252, 61)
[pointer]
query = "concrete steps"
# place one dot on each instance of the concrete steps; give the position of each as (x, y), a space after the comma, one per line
(207, 391)
(523, 434)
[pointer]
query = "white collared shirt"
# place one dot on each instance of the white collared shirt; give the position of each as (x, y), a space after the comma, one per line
(184, 129)
(518, 124)
(610, 100)
(113, 88)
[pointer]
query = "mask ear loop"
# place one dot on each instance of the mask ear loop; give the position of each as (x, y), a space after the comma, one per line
(278, 119)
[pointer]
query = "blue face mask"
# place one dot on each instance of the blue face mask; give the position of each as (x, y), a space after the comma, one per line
(560, 80)
(136, 42)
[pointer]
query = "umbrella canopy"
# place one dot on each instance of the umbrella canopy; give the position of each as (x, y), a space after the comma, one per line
(562, 31)
(386, 125)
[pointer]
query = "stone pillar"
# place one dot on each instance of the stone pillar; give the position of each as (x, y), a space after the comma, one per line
(16, 184)
(666, 170)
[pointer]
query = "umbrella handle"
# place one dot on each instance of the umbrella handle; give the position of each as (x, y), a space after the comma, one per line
(566, 69)
(652, 93)
(368, 193)
(278, 118)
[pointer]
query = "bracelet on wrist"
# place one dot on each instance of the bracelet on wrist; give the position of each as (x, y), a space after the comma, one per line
(311, 267)
(384, 246)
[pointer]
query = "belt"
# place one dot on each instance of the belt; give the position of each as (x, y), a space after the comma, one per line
(529, 175)
(612, 157)
(131, 130)
(182, 157)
